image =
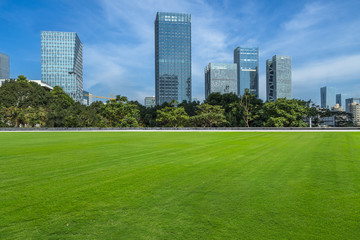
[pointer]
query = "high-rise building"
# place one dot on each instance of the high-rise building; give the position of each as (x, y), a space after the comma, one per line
(247, 60)
(354, 109)
(150, 102)
(221, 78)
(278, 78)
(4, 66)
(327, 97)
(172, 57)
(61, 62)
(340, 99)
(349, 101)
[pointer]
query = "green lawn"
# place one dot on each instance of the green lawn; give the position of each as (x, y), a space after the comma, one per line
(176, 185)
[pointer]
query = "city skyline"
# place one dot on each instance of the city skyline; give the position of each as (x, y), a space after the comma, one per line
(119, 46)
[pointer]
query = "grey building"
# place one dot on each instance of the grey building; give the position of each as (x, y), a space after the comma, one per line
(327, 97)
(221, 78)
(247, 60)
(4, 66)
(278, 78)
(62, 63)
(349, 101)
(172, 57)
(150, 102)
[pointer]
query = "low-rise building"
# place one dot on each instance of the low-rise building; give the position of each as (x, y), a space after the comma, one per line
(150, 102)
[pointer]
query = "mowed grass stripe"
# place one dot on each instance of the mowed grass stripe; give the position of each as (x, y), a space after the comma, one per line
(179, 185)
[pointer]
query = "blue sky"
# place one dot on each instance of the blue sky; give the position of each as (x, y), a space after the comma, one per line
(323, 38)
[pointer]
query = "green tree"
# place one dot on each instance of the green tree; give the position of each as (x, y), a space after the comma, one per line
(225, 101)
(10, 116)
(120, 113)
(209, 116)
(59, 110)
(61, 99)
(249, 107)
(190, 107)
(31, 117)
(285, 113)
(23, 94)
(171, 116)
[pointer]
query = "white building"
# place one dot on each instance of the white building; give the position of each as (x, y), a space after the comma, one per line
(355, 111)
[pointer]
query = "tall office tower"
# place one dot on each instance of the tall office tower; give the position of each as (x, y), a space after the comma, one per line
(340, 99)
(327, 97)
(221, 78)
(172, 57)
(4, 66)
(278, 78)
(349, 101)
(61, 62)
(247, 60)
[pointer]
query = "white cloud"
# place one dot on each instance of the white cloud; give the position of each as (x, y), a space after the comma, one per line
(311, 15)
(329, 71)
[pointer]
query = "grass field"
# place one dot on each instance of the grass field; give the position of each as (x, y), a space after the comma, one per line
(194, 185)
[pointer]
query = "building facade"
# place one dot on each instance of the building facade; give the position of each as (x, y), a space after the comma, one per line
(62, 63)
(4, 66)
(172, 57)
(87, 98)
(349, 101)
(278, 78)
(340, 99)
(150, 102)
(221, 78)
(247, 61)
(354, 109)
(327, 97)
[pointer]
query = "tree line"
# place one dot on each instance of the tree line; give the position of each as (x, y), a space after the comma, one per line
(27, 104)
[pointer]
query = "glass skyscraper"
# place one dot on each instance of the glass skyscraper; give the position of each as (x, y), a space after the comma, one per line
(61, 62)
(247, 60)
(172, 57)
(327, 97)
(340, 99)
(278, 78)
(221, 78)
(4, 66)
